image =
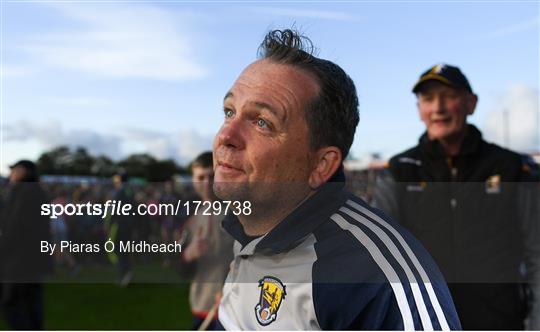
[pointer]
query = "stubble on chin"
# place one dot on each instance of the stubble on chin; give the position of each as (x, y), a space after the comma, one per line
(232, 191)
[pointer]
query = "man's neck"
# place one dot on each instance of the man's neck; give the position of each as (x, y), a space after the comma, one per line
(265, 219)
(452, 145)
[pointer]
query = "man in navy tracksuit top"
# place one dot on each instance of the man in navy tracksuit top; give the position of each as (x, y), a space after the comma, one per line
(308, 254)
(471, 203)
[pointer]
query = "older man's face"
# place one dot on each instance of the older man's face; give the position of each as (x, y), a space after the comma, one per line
(444, 110)
(264, 141)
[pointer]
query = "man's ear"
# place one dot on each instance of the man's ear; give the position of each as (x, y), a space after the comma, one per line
(327, 163)
(472, 100)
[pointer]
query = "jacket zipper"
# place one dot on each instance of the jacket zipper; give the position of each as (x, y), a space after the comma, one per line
(454, 178)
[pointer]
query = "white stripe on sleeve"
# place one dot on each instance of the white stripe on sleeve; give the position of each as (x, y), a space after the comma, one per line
(425, 279)
(384, 265)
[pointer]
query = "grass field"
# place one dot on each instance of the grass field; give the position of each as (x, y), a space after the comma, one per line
(81, 303)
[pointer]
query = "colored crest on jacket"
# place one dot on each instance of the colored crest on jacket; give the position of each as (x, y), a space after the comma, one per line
(493, 184)
(272, 294)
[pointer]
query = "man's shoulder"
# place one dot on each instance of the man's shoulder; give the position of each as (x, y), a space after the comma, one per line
(377, 264)
(30, 194)
(405, 162)
(410, 157)
(508, 162)
(359, 243)
(494, 149)
(499, 152)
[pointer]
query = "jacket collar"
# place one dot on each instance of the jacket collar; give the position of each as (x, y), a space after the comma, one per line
(470, 144)
(292, 230)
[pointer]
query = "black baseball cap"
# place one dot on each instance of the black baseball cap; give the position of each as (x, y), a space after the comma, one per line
(27, 164)
(447, 74)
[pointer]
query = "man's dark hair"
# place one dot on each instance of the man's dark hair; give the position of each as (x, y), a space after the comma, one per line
(203, 160)
(332, 115)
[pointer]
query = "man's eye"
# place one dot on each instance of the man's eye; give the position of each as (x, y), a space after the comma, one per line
(228, 113)
(261, 123)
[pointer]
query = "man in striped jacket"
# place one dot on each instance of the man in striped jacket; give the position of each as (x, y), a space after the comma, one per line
(309, 255)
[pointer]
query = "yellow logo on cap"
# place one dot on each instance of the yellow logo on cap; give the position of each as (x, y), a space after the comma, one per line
(437, 69)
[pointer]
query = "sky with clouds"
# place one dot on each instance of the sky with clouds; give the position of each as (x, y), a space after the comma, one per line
(121, 77)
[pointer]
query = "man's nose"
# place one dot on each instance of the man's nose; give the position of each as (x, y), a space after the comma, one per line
(232, 134)
(438, 104)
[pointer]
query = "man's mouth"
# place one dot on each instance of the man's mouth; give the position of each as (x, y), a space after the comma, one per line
(441, 121)
(229, 167)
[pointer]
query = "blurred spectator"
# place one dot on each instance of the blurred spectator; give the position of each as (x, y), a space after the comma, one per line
(22, 265)
(59, 230)
(121, 228)
(208, 250)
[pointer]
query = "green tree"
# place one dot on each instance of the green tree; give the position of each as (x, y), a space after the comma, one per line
(81, 162)
(56, 161)
(137, 165)
(104, 166)
(63, 161)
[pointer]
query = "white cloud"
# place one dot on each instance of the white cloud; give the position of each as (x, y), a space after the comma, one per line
(52, 135)
(305, 13)
(522, 106)
(192, 143)
(120, 42)
(181, 146)
(158, 144)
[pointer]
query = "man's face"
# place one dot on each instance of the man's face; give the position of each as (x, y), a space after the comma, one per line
(203, 179)
(17, 174)
(264, 140)
(444, 110)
